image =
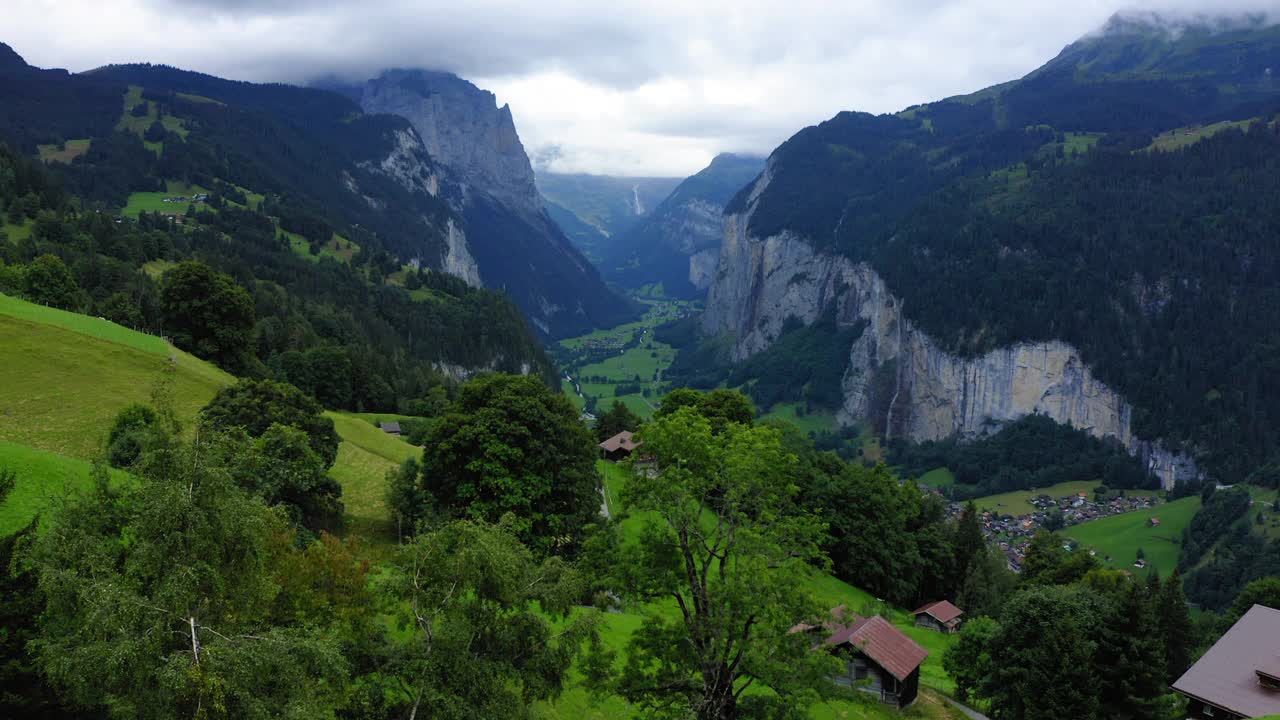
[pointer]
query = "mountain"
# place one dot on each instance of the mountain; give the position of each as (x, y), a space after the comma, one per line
(678, 244)
(323, 213)
(485, 176)
(595, 209)
(1093, 242)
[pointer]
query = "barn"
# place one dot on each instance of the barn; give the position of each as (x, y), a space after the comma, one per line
(941, 616)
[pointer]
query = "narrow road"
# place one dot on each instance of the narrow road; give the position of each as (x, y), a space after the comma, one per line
(973, 714)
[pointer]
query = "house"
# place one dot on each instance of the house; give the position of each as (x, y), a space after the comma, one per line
(1155, 522)
(879, 659)
(618, 447)
(390, 428)
(1240, 675)
(941, 616)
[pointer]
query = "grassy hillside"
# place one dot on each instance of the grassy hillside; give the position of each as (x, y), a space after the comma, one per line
(43, 478)
(364, 457)
(66, 376)
(1120, 536)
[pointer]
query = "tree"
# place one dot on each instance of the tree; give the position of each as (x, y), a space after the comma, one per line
(968, 660)
(1047, 562)
(49, 282)
(473, 606)
(1042, 657)
(1130, 659)
(207, 313)
(24, 691)
(720, 406)
(726, 544)
(256, 405)
(1054, 520)
(128, 433)
(159, 595)
(509, 444)
(1265, 591)
(618, 418)
(119, 308)
(986, 584)
(967, 540)
(281, 467)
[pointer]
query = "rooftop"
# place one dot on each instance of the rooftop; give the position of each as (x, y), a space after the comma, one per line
(1228, 675)
(942, 611)
(884, 644)
(621, 441)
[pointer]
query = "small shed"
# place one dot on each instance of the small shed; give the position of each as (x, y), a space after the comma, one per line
(390, 428)
(941, 616)
(1239, 677)
(879, 659)
(618, 447)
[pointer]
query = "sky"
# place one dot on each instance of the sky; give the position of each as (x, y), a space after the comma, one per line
(623, 87)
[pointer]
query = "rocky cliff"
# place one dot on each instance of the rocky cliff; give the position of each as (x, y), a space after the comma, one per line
(503, 238)
(897, 376)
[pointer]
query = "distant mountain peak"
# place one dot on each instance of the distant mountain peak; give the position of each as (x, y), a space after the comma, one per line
(10, 59)
(1174, 25)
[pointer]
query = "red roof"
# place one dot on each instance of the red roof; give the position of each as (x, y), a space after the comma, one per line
(621, 441)
(1227, 675)
(942, 611)
(884, 644)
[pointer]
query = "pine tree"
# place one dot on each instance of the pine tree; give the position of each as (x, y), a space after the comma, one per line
(1130, 660)
(968, 541)
(1175, 627)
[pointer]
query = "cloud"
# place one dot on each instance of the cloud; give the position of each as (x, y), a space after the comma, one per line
(639, 87)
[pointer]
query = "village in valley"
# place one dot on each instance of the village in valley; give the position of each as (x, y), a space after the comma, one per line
(1011, 533)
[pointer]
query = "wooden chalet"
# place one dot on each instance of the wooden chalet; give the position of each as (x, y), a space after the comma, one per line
(941, 616)
(878, 659)
(618, 447)
(390, 428)
(1239, 677)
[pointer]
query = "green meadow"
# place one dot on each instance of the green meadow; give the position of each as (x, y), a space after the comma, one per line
(1120, 536)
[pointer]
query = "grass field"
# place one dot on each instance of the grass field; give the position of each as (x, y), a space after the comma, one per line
(18, 232)
(82, 324)
(338, 247)
(43, 478)
(1016, 502)
(938, 478)
(66, 376)
(641, 364)
(64, 153)
(364, 457)
(155, 268)
(807, 423)
(1182, 137)
(1120, 536)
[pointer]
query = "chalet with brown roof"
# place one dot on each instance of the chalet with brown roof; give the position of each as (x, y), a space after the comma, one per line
(941, 616)
(618, 447)
(878, 659)
(1240, 675)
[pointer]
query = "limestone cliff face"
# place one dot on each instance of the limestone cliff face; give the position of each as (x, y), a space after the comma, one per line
(499, 234)
(463, 128)
(897, 376)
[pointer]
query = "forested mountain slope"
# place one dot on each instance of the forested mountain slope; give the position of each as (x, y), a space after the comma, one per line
(281, 194)
(1059, 244)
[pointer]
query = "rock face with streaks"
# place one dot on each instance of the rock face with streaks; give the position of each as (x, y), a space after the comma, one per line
(502, 237)
(897, 376)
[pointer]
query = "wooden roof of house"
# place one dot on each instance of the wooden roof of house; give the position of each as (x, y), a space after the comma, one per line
(884, 644)
(942, 611)
(621, 441)
(1228, 675)
(390, 427)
